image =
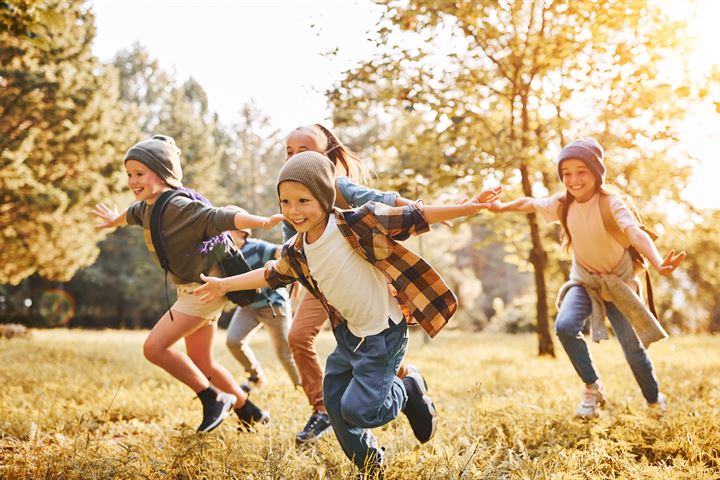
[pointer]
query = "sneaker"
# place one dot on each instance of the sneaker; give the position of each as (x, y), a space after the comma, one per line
(659, 408)
(317, 426)
(216, 406)
(250, 414)
(253, 381)
(593, 399)
(374, 471)
(419, 408)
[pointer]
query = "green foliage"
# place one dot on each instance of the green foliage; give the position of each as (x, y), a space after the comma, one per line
(184, 115)
(60, 136)
(123, 288)
(35, 20)
(689, 299)
(254, 156)
(78, 404)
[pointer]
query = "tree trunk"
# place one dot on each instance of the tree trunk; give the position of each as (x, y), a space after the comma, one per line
(538, 256)
(714, 325)
(538, 259)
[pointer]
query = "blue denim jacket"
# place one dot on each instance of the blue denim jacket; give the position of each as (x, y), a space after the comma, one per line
(354, 194)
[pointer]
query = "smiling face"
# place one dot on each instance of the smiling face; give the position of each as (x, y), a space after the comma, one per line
(301, 140)
(144, 183)
(302, 210)
(578, 179)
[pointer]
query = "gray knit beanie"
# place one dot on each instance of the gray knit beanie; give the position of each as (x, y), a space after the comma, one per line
(588, 151)
(316, 172)
(161, 155)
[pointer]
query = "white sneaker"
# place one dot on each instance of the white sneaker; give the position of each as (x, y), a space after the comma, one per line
(592, 400)
(659, 408)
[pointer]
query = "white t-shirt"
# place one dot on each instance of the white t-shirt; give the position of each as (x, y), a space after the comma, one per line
(592, 245)
(350, 283)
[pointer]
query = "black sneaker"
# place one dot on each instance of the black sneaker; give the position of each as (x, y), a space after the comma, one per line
(371, 472)
(317, 426)
(253, 381)
(250, 414)
(419, 408)
(373, 469)
(216, 406)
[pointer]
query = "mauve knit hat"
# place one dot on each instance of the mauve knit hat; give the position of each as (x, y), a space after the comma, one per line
(161, 155)
(316, 172)
(587, 150)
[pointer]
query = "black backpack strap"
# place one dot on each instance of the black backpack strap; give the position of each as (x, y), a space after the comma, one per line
(157, 237)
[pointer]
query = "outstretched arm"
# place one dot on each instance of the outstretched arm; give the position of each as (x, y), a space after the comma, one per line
(644, 244)
(110, 217)
(248, 220)
(522, 204)
(402, 201)
(442, 213)
(215, 287)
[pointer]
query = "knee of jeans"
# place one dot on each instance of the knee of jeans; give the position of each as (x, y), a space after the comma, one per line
(565, 328)
(234, 342)
(360, 415)
(636, 355)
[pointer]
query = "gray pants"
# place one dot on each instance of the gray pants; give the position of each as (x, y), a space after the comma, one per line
(245, 322)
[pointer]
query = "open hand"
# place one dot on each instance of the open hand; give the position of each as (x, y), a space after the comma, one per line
(485, 198)
(211, 290)
(671, 262)
(274, 220)
(109, 216)
(495, 206)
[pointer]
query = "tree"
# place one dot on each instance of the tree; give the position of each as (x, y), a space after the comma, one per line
(35, 20)
(184, 115)
(503, 85)
(60, 137)
(254, 156)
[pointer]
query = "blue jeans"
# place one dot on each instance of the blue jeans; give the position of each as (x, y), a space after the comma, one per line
(574, 311)
(361, 390)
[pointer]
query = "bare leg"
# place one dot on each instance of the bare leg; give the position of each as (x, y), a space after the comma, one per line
(199, 347)
(158, 349)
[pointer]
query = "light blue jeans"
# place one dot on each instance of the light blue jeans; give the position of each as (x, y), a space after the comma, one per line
(243, 325)
(361, 390)
(574, 311)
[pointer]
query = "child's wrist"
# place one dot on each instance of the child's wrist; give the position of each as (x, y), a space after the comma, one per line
(224, 288)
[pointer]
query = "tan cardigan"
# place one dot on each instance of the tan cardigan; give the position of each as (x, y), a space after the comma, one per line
(616, 288)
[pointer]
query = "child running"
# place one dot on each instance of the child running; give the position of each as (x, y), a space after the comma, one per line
(345, 258)
(310, 314)
(604, 279)
(153, 167)
(271, 309)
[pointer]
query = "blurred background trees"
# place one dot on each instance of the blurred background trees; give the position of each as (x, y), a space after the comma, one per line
(501, 86)
(459, 94)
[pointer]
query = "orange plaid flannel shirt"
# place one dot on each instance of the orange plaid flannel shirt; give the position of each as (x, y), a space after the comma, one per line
(373, 231)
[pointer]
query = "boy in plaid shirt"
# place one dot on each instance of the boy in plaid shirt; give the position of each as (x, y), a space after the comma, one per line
(346, 258)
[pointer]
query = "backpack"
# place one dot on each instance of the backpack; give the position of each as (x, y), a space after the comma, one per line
(231, 262)
(612, 227)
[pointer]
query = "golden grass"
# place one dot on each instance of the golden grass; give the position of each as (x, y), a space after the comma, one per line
(86, 405)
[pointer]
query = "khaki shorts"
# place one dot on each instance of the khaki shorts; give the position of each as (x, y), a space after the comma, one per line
(190, 304)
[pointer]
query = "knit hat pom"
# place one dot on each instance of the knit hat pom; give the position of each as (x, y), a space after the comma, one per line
(161, 155)
(316, 172)
(588, 151)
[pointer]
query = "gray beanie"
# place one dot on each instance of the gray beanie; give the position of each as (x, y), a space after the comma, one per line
(588, 151)
(316, 172)
(161, 155)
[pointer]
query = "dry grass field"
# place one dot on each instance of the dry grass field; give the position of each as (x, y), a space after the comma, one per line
(86, 405)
